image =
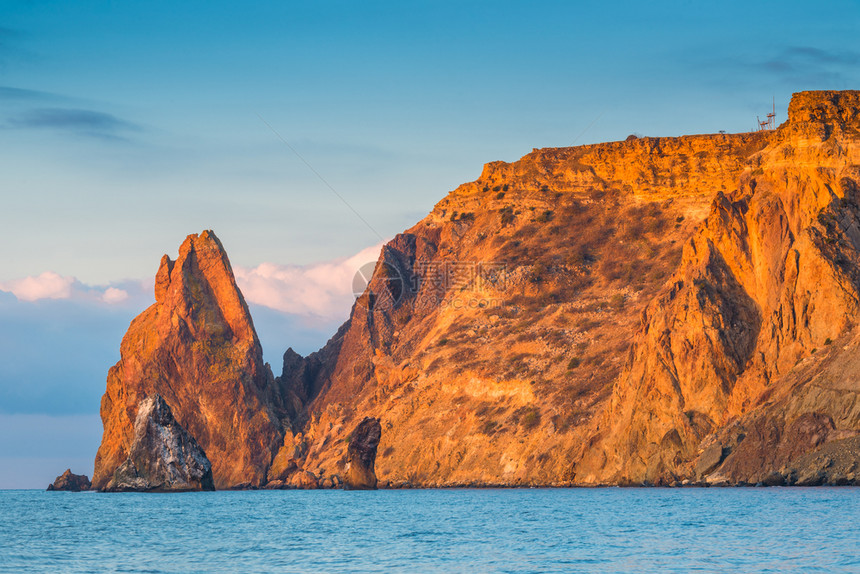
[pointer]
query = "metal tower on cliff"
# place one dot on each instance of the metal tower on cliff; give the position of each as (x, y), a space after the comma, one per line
(770, 122)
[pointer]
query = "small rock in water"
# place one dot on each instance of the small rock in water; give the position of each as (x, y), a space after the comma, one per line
(71, 482)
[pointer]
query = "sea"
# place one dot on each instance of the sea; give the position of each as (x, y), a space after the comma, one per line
(458, 530)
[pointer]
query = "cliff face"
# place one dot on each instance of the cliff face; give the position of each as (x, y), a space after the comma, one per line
(653, 310)
(197, 348)
(492, 330)
(770, 276)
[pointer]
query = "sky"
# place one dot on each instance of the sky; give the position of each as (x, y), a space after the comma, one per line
(305, 134)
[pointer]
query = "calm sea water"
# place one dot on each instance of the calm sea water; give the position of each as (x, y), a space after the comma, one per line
(474, 531)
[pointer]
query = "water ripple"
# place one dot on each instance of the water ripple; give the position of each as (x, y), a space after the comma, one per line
(471, 531)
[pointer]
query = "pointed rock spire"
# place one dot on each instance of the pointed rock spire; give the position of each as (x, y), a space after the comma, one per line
(196, 347)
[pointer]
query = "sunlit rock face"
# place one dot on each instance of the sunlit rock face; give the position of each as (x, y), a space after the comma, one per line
(197, 348)
(492, 331)
(652, 310)
(619, 313)
(756, 329)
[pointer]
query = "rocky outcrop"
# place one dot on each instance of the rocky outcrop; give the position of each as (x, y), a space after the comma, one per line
(285, 463)
(197, 348)
(303, 479)
(71, 482)
(361, 455)
(804, 429)
(163, 457)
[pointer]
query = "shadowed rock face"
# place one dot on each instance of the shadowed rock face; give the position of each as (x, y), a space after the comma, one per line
(196, 347)
(163, 457)
(805, 429)
(71, 482)
(361, 455)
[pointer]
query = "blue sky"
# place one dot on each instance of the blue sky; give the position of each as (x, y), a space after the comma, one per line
(126, 126)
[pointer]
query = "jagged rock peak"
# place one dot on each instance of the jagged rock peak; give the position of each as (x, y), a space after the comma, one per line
(164, 457)
(202, 276)
(197, 347)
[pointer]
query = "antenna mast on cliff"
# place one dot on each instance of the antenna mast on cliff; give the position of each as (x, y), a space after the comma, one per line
(770, 122)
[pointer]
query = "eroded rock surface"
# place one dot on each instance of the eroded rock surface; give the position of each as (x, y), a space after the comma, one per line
(623, 313)
(491, 332)
(361, 455)
(771, 276)
(649, 311)
(164, 457)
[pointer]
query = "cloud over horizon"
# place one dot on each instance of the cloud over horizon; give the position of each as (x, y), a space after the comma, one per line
(318, 290)
(51, 285)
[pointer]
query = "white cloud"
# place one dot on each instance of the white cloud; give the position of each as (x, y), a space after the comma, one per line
(48, 285)
(321, 289)
(114, 295)
(51, 285)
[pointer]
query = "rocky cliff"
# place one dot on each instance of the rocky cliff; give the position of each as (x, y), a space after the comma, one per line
(768, 278)
(651, 311)
(493, 330)
(647, 311)
(197, 348)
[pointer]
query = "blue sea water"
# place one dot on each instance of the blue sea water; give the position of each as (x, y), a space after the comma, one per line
(473, 531)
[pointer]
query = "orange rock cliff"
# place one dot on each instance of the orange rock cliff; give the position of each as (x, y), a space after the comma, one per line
(657, 310)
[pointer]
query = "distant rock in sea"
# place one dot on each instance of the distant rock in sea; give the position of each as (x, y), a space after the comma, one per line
(71, 482)
(164, 457)
(361, 455)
